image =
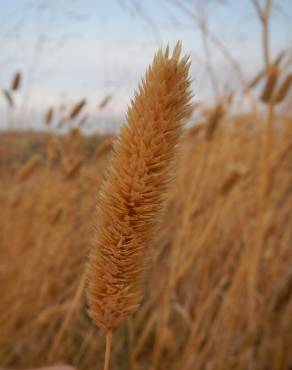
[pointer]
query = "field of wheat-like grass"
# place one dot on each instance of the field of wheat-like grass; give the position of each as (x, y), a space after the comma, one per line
(218, 295)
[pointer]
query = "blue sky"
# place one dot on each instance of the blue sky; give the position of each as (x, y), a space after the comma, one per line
(70, 49)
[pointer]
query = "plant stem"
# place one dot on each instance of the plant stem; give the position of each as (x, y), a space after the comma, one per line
(107, 350)
(265, 20)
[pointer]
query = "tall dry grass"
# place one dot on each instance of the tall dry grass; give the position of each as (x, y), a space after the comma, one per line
(133, 195)
(219, 291)
(218, 294)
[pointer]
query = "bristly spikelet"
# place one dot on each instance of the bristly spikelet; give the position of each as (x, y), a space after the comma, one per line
(133, 192)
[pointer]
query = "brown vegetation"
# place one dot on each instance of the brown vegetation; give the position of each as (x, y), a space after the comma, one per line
(218, 294)
(133, 193)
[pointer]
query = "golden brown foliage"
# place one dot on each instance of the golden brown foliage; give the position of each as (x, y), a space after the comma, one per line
(49, 116)
(104, 147)
(15, 83)
(8, 98)
(260, 75)
(134, 190)
(28, 168)
(272, 78)
(104, 102)
(77, 109)
(213, 120)
(283, 90)
(228, 305)
(72, 166)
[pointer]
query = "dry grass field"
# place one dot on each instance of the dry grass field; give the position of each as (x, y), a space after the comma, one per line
(74, 255)
(218, 295)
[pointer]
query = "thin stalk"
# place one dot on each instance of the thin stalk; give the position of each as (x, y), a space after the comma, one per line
(265, 165)
(265, 19)
(107, 355)
(203, 27)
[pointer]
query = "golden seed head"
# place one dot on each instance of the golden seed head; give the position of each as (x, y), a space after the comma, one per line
(133, 193)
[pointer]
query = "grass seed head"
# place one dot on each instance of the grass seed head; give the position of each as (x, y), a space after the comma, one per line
(15, 83)
(272, 78)
(133, 193)
(77, 109)
(283, 90)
